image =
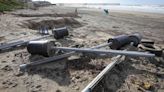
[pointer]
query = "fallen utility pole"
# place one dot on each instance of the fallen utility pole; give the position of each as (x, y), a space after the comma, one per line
(46, 47)
(56, 58)
(98, 51)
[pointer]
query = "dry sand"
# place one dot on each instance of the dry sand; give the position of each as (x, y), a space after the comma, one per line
(89, 28)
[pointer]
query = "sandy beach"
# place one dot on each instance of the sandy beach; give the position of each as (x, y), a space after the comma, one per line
(91, 27)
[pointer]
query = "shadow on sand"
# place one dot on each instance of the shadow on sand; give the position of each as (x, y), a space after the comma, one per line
(59, 71)
(115, 79)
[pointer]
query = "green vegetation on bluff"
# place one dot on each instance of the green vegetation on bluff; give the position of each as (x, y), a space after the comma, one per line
(8, 5)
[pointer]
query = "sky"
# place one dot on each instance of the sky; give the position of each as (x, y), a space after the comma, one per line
(108, 1)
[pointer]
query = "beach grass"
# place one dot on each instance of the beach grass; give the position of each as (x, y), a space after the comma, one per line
(8, 5)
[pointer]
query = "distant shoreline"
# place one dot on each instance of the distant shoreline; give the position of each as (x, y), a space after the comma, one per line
(160, 5)
(136, 8)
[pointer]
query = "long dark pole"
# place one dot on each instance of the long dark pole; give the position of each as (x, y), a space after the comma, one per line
(56, 58)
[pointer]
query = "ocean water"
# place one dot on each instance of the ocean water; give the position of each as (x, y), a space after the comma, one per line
(140, 8)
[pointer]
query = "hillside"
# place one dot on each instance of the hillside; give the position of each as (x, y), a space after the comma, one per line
(7, 5)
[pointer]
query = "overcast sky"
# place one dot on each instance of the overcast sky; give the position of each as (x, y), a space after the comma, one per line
(108, 1)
